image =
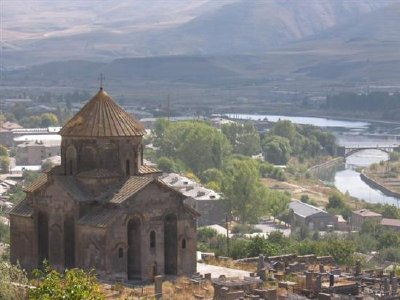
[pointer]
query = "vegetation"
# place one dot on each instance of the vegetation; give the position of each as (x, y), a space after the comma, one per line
(197, 144)
(73, 284)
(12, 281)
(375, 101)
(243, 138)
(286, 139)
(340, 248)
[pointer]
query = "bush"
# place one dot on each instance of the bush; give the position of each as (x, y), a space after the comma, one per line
(74, 284)
(9, 275)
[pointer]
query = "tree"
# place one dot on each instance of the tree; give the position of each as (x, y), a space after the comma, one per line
(276, 149)
(245, 195)
(3, 151)
(335, 200)
(48, 119)
(284, 128)
(5, 164)
(259, 245)
(244, 138)
(278, 203)
(197, 144)
(73, 284)
(47, 165)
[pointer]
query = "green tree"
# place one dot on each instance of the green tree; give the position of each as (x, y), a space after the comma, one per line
(4, 233)
(3, 151)
(276, 149)
(73, 284)
(278, 203)
(169, 165)
(245, 195)
(5, 164)
(259, 245)
(47, 165)
(244, 138)
(284, 128)
(197, 144)
(48, 119)
(335, 200)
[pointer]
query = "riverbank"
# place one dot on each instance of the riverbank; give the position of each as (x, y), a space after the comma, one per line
(376, 184)
(332, 163)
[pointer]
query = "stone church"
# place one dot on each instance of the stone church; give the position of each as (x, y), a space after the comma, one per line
(102, 208)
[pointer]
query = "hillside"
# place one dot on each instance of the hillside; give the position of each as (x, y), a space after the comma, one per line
(43, 31)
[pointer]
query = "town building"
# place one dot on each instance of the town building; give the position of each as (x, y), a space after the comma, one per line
(207, 202)
(393, 224)
(6, 133)
(311, 216)
(102, 208)
(34, 152)
(358, 217)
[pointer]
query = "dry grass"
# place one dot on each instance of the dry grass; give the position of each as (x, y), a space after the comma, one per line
(229, 263)
(314, 189)
(182, 289)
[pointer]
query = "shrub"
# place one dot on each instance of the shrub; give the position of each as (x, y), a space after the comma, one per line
(74, 284)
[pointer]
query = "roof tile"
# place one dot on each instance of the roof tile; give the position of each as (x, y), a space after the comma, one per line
(102, 117)
(22, 209)
(133, 185)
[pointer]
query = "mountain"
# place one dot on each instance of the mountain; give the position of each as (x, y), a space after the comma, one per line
(41, 31)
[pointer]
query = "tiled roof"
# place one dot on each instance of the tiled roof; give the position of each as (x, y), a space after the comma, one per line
(133, 185)
(99, 218)
(305, 210)
(144, 169)
(23, 209)
(390, 222)
(102, 117)
(37, 184)
(366, 213)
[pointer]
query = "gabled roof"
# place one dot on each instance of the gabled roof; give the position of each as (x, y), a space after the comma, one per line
(102, 117)
(22, 209)
(366, 213)
(133, 185)
(305, 210)
(36, 184)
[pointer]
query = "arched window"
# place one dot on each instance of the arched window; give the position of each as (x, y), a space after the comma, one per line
(152, 239)
(120, 253)
(183, 244)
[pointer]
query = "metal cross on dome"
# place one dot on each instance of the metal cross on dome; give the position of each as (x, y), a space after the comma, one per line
(102, 78)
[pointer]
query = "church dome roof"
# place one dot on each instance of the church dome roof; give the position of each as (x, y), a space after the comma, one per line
(102, 117)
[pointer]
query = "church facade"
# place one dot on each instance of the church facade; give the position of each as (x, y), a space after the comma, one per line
(102, 208)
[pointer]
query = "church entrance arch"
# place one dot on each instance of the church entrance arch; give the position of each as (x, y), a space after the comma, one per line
(43, 237)
(170, 244)
(134, 244)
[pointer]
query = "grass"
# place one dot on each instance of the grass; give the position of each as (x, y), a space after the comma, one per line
(181, 289)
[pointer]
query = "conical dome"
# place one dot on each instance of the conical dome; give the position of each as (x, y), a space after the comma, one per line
(102, 117)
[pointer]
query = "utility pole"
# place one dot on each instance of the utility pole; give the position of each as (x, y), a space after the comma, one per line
(227, 235)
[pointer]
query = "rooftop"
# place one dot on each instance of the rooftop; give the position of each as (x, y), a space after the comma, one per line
(390, 222)
(305, 210)
(102, 117)
(366, 213)
(189, 187)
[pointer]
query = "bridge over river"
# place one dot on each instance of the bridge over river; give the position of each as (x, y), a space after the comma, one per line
(348, 150)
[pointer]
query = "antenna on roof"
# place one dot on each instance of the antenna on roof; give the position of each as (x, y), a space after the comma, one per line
(101, 78)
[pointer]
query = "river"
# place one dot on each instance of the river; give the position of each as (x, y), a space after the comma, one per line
(350, 133)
